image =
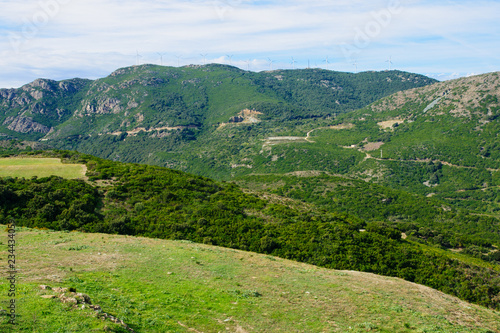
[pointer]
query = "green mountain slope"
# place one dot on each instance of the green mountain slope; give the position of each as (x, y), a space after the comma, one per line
(454, 121)
(423, 219)
(180, 117)
(31, 111)
(177, 286)
(439, 140)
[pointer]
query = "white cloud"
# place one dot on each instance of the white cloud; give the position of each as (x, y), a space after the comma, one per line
(96, 37)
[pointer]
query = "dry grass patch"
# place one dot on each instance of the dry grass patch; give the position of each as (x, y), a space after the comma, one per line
(342, 126)
(389, 124)
(28, 167)
(371, 146)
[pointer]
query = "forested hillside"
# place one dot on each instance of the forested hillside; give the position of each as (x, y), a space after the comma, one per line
(422, 219)
(150, 96)
(156, 202)
(440, 140)
(169, 116)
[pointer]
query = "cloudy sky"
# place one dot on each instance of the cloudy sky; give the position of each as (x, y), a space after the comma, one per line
(61, 39)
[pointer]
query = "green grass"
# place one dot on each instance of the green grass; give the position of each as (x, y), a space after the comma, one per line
(40, 167)
(178, 286)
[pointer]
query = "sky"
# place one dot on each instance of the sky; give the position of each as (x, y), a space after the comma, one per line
(63, 39)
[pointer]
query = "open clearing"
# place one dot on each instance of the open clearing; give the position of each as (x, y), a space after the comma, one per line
(342, 126)
(282, 140)
(288, 139)
(389, 124)
(40, 167)
(177, 286)
(371, 146)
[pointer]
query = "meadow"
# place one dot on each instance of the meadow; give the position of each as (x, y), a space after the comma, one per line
(25, 167)
(157, 285)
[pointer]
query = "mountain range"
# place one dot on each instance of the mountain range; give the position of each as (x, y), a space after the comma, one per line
(398, 129)
(386, 172)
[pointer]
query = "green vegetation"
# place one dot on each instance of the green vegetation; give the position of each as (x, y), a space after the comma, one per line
(171, 116)
(177, 286)
(407, 186)
(458, 134)
(155, 96)
(156, 202)
(426, 220)
(39, 167)
(185, 114)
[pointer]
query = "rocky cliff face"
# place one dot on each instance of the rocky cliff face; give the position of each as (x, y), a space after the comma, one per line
(38, 106)
(25, 125)
(103, 106)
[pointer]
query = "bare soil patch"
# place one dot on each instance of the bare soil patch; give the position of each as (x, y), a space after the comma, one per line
(371, 146)
(342, 126)
(389, 124)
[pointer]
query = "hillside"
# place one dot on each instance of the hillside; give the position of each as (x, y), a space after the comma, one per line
(150, 96)
(454, 121)
(440, 152)
(221, 122)
(440, 140)
(169, 116)
(141, 200)
(423, 219)
(154, 285)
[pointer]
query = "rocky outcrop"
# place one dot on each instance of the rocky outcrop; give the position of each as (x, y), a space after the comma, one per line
(68, 86)
(23, 124)
(7, 94)
(40, 83)
(104, 106)
(11, 98)
(37, 90)
(37, 94)
(71, 297)
(236, 119)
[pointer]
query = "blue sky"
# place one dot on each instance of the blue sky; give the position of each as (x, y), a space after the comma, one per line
(61, 39)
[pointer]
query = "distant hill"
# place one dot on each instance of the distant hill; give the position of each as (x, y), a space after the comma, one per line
(137, 114)
(150, 96)
(455, 121)
(153, 285)
(440, 140)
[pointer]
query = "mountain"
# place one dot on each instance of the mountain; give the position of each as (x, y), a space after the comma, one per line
(154, 285)
(31, 111)
(332, 184)
(440, 140)
(435, 141)
(154, 114)
(454, 121)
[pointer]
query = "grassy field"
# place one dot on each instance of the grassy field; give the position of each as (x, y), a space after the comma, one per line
(177, 286)
(40, 167)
